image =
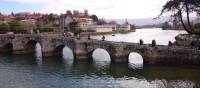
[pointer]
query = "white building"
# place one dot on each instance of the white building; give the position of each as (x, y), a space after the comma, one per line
(104, 28)
(83, 19)
(125, 27)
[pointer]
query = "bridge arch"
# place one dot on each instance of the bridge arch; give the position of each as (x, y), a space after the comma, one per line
(67, 53)
(101, 58)
(58, 50)
(135, 59)
(8, 48)
(30, 46)
(100, 54)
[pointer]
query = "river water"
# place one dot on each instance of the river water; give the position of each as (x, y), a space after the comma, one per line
(162, 37)
(33, 71)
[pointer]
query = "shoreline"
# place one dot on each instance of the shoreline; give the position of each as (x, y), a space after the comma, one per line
(105, 33)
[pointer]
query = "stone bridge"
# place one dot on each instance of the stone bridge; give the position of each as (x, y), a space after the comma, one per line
(83, 48)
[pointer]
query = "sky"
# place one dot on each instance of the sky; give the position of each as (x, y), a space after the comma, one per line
(107, 9)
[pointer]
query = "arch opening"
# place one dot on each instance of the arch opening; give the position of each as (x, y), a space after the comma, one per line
(38, 54)
(135, 60)
(101, 58)
(100, 55)
(8, 48)
(31, 46)
(67, 54)
(58, 50)
(34, 48)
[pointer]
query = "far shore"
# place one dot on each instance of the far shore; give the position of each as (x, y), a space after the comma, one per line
(105, 33)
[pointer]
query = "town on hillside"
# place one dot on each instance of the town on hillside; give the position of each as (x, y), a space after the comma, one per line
(72, 21)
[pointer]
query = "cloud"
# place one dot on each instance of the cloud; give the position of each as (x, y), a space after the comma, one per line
(103, 8)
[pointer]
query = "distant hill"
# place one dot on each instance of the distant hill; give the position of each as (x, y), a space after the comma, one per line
(141, 22)
(145, 21)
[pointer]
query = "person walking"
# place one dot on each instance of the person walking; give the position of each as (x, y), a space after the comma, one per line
(103, 38)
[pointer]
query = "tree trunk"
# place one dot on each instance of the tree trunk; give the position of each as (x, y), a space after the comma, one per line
(188, 17)
(181, 19)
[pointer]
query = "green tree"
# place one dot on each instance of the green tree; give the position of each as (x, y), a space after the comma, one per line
(14, 25)
(178, 7)
(18, 26)
(25, 25)
(74, 27)
(4, 27)
(166, 26)
(95, 18)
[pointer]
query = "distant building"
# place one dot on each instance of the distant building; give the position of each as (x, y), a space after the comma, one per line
(103, 28)
(125, 27)
(27, 15)
(20, 16)
(83, 19)
(9, 18)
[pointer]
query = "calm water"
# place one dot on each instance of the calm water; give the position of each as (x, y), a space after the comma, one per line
(24, 72)
(162, 37)
(32, 71)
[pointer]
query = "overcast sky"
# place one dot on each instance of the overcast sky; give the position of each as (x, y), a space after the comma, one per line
(107, 9)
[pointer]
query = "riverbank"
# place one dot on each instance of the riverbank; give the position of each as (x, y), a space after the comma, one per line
(106, 33)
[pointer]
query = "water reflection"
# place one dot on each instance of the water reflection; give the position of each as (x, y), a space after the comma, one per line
(68, 57)
(38, 53)
(19, 71)
(135, 60)
(101, 58)
(82, 74)
(68, 63)
(140, 83)
(179, 84)
(68, 53)
(155, 83)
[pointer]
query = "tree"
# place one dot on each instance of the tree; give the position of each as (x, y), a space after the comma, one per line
(178, 7)
(4, 27)
(69, 12)
(17, 26)
(101, 22)
(95, 18)
(133, 27)
(166, 26)
(74, 27)
(14, 25)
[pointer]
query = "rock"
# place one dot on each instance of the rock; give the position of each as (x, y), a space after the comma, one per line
(196, 30)
(187, 40)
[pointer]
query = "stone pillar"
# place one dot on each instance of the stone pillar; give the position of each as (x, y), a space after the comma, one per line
(19, 46)
(80, 51)
(152, 55)
(118, 54)
(47, 47)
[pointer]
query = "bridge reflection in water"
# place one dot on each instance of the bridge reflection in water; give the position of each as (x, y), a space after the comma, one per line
(101, 58)
(135, 60)
(67, 55)
(38, 53)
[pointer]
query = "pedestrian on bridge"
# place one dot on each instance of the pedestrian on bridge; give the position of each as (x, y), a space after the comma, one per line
(103, 38)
